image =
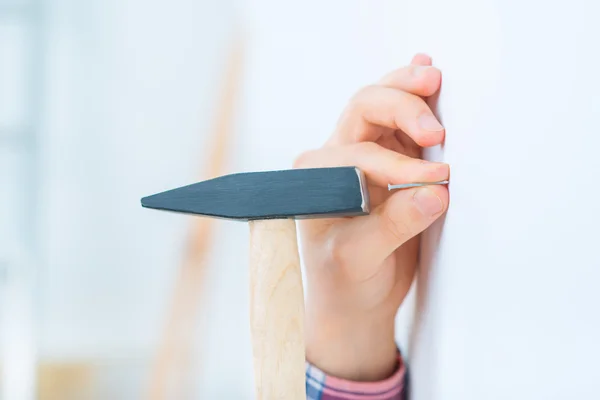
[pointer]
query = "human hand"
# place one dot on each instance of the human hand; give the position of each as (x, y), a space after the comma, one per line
(360, 269)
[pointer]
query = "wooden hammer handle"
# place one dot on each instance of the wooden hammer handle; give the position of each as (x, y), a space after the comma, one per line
(277, 310)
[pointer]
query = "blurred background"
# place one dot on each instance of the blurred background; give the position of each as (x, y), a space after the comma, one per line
(105, 101)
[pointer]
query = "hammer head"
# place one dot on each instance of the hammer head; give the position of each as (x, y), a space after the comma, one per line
(294, 193)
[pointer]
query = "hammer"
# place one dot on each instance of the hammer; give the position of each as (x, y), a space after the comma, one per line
(271, 201)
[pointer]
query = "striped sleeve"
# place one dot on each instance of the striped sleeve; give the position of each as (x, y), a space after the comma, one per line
(320, 386)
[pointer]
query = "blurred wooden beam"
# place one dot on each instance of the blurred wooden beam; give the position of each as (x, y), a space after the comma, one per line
(168, 373)
(66, 380)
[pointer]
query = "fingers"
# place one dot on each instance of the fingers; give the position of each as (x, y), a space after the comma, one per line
(394, 103)
(373, 238)
(420, 80)
(375, 107)
(380, 165)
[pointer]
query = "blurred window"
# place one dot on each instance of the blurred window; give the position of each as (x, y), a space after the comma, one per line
(13, 74)
(20, 73)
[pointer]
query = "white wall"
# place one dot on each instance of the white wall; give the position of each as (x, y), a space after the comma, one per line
(510, 306)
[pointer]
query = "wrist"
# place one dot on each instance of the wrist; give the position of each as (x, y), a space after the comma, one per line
(357, 348)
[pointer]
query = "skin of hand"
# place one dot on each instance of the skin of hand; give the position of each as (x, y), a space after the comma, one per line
(359, 270)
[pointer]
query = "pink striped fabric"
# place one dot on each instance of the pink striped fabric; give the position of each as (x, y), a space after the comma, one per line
(320, 386)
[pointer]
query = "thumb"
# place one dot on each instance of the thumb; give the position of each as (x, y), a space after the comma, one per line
(402, 216)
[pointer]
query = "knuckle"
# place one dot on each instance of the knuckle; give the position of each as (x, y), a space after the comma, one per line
(368, 148)
(365, 90)
(358, 100)
(339, 251)
(397, 76)
(376, 152)
(304, 159)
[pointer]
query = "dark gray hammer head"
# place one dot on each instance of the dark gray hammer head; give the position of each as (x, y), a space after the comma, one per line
(294, 193)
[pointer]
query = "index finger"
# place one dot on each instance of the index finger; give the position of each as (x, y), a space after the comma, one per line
(377, 110)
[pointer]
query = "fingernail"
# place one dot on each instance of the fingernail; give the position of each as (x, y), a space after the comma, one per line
(419, 70)
(428, 202)
(429, 123)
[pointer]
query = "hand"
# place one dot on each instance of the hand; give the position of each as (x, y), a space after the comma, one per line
(359, 269)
